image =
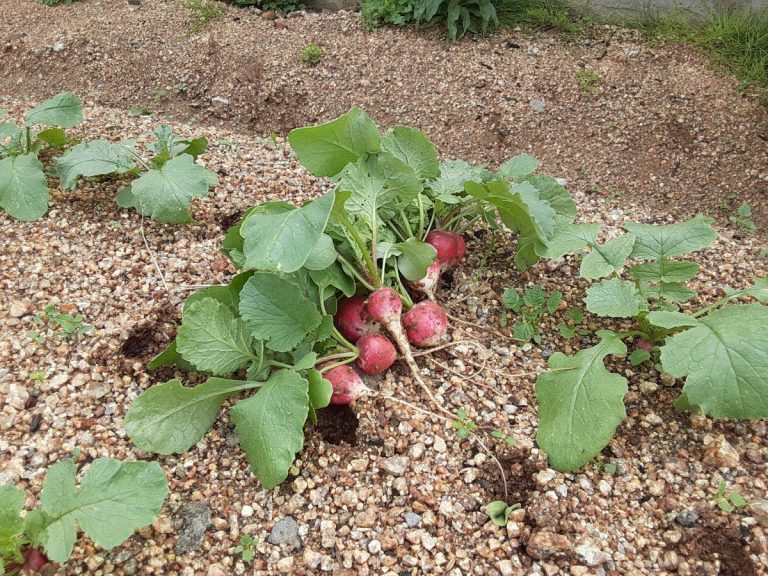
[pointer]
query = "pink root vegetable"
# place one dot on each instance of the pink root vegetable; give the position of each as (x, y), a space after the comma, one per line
(428, 284)
(641, 344)
(352, 319)
(450, 247)
(377, 354)
(385, 306)
(34, 560)
(461, 248)
(425, 324)
(347, 384)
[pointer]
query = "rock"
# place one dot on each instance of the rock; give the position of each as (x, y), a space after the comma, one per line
(246, 511)
(654, 419)
(428, 541)
(412, 519)
(358, 464)
(162, 525)
(687, 517)
(312, 559)
(281, 24)
(366, 518)
(544, 477)
(285, 565)
(220, 101)
(58, 46)
(721, 454)
(759, 511)
(374, 546)
(590, 554)
(439, 445)
(20, 308)
(604, 487)
(216, 570)
(195, 519)
(543, 545)
(285, 531)
(17, 396)
(396, 465)
(268, 15)
(537, 105)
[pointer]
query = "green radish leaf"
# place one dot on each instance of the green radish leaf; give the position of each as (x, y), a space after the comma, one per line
(580, 404)
(671, 320)
(223, 294)
(664, 270)
(669, 291)
(517, 167)
(53, 137)
(657, 242)
(270, 425)
(23, 187)
(327, 148)
(168, 145)
(567, 239)
(415, 257)
(322, 255)
(566, 331)
(412, 147)
(553, 302)
(232, 245)
(95, 158)
(534, 296)
(607, 259)
(63, 110)
(512, 300)
(541, 210)
(170, 419)
(454, 174)
(724, 358)
(522, 332)
(320, 390)
(114, 499)
(168, 357)
(283, 241)
(335, 276)
(275, 310)
(213, 339)
(614, 298)
(639, 356)
(164, 194)
(306, 362)
(11, 522)
(557, 196)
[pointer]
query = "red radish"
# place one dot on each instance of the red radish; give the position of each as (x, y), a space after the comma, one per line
(347, 384)
(385, 306)
(425, 324)
(34, 560)
(461, 248)
(445, 244)
(352, 320)
(641, 344)
(428, 284)
(377, 354)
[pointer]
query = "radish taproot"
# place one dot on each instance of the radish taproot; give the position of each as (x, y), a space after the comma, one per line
(347, 384)
(377, 354)
(428, 284)
(352, 319)
(425, 324)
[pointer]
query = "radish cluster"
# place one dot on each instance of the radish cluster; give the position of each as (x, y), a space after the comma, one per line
(363, 321)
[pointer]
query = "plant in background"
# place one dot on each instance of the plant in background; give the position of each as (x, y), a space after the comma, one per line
(23, 185)
(588, 80)
(458, 16)
(321, 285)
(163, 186)
(529, 307)
(378, 12)
(56, 2)
(569, 329)
(132, 492)
(311, 55)
(281, 6)
(721, 349)
(68, 326)
(742, 218)
(203, 12)
(537, 14)
(727, 500)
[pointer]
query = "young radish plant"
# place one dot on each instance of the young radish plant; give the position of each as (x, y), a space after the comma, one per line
(322, 288)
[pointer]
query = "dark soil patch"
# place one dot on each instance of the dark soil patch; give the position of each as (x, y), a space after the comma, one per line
(226, 221)
(715, 542)
(520, 483)
(139, 341)
(337, 425)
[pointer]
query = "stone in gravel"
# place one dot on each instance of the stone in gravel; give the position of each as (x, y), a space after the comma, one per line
(246, 511)
(374, 546)
(439, 445)
(285, 531)
(721, 454)
(687, 517)
(366, 518)
(216, 570)
(396, 465)
(220, 101)
(195, 519)
(590, 554)
(268, 15)
(17, 396)
(759, 511)
(412, 519)
(544, 477)
(312, 559)
(285, 565)
(537, 105)
(544, 544)
(58, 46)
(20, 308)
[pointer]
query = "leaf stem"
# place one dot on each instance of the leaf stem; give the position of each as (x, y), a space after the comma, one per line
(407, 224)
(349, 227)
(355, 272)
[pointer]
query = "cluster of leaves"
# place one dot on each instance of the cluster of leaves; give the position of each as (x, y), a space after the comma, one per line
(64, 325)
(721, 350)
(281, 6)
(395, 12)
(727, 500)
(458, 16)
(23, 185)
(164, 185)
(311, 55)
(245, 548)
(56, 2)
(271, 328)
(114, 499)
(529, 307)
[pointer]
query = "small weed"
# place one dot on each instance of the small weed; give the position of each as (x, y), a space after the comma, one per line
(530, 306)
(68, 326)
(588, 80)
(538, 14)
(311, 55)
(727, 501)
(763, 253)
(499, 511)
(55, 2)
(203, 12)
(138, 111)
(159, 94)
(499, 435)
(245, 549)
(606, 467)
(742, 219)
(569, 330)
(181, 86)
(463, 425)
(37, 375)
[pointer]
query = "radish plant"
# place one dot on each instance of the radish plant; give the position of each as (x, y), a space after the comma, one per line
(323, 287)
(721, 349)
(23, 183)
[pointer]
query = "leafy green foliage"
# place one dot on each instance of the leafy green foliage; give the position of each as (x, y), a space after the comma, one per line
(114, 499)
(378, 12)
(281, 6)
(245, 548)
(463, 426)
(170, 181)
(458, 16)
(60, 325)
(529, 307)
(499, 511)
(23, 184)
(727, 500)
(311, 55)
(202, 12)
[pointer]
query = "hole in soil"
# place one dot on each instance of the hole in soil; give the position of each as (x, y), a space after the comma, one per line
(716, 542)
(228, 220)
(337, 424)
(139, 341)
(520, 482)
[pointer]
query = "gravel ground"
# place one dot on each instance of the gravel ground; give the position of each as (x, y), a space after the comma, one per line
(654, 125)
(377, 490)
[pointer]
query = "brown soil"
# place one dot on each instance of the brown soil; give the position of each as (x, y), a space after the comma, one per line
(660, 127)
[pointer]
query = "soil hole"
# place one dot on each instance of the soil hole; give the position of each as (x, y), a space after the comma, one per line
(139, 341)
(226, 221)
(520, 482)
(337, 424)
(724, 544)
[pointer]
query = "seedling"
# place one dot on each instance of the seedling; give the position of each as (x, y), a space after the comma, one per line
(529, 306)
(499, 435)
(728, 500)
(588, 80)
(639, 356)
(68, 326)
(569, 330)
(245, 549)
(37, 376)
(203, 12)
(463, 425)
(311, 55)
(742, 219)
(499, 511)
